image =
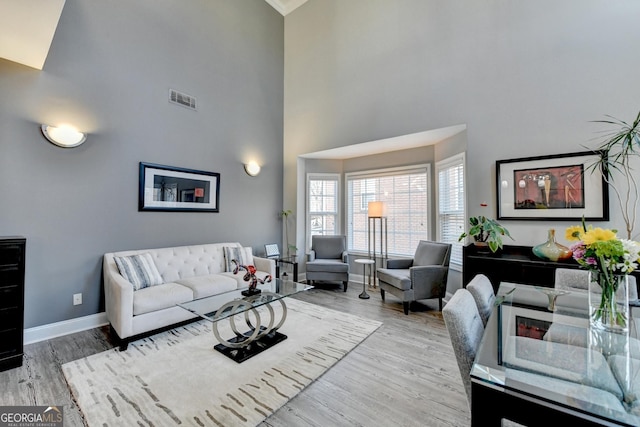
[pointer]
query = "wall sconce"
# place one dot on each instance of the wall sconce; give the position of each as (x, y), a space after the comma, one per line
(252, 168)
(63, 136)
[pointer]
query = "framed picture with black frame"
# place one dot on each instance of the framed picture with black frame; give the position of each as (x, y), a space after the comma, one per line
(169, 188)
(562, 187)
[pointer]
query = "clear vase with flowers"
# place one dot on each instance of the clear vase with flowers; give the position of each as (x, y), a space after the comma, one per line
(609, 260)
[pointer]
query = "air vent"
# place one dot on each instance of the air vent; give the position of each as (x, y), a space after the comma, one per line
(182, 99)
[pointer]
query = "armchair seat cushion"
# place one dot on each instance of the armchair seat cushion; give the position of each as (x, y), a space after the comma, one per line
(328, 266)
(398, 278)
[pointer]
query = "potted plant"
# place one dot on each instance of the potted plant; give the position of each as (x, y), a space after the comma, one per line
(616, 152)
(285, 216)
(486, 232)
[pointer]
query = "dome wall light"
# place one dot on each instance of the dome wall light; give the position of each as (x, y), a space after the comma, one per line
(64, 136)
(252, 168)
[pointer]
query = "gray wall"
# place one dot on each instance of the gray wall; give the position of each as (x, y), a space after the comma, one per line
(108, 72)
(525, 77)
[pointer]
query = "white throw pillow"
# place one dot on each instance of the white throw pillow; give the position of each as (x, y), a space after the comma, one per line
(139, 270)
(247, 255)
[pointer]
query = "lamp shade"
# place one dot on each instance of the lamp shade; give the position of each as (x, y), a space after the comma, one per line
(377, 209)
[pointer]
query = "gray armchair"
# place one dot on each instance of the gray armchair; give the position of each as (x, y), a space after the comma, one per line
(328, 259)
(423, 277)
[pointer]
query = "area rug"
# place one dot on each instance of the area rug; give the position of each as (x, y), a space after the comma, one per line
(177, 378)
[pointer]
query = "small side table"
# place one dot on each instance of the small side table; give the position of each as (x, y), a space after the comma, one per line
(365, 262)
(287, 260)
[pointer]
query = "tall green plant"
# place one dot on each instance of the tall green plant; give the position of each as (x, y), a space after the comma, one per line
(285, 218)
(621, 144)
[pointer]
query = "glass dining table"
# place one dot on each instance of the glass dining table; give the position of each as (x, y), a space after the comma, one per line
(539, 363)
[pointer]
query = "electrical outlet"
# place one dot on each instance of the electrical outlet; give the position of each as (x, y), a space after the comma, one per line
(77, 299)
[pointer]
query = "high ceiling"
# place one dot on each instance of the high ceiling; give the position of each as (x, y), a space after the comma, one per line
(403, 142)
(27, 27)
(286, 6)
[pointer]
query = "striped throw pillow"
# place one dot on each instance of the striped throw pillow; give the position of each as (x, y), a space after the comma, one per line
(139, 270)
(231, 253)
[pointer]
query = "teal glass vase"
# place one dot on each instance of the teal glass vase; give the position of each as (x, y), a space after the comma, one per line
(552, 250)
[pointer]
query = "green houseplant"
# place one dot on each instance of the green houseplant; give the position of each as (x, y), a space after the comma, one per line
(285, 218)
(620, 145)
(486, 231)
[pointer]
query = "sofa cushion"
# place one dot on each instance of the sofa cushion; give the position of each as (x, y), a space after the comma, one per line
(398, 278)
(159, 297)
(139, 270)
(213, 284)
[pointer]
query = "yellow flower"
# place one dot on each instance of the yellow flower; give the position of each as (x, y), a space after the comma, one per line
(597, 235)
(573, 233)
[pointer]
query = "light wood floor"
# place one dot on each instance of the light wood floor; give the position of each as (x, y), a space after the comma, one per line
(404, 374)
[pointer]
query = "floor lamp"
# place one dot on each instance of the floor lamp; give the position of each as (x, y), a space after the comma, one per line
(377, 214)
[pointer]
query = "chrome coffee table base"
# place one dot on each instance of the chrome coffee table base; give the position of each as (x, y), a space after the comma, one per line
(258, 338)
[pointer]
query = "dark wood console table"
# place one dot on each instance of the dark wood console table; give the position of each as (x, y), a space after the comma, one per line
(12, 263)
(513, 264)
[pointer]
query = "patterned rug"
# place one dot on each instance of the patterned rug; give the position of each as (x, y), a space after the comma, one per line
(177, 378)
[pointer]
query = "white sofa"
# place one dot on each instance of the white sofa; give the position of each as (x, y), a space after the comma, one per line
(187, 272)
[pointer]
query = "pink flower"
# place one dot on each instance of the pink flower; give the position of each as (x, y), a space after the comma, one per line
(578, 250)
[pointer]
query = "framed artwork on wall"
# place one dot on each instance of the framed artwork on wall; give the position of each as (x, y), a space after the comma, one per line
(555, 187)
(168, 188)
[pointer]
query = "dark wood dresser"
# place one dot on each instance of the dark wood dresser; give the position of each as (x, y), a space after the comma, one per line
(12, 255)
(513, 264)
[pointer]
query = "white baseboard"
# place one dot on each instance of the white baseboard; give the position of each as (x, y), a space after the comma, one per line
(66, 327)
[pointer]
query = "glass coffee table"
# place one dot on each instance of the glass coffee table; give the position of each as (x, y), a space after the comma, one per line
(262, 333)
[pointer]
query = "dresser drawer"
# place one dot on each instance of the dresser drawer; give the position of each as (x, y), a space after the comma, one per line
(10, 296)
(10, 342)
(11, 254)
(10, 276)
(10, 318)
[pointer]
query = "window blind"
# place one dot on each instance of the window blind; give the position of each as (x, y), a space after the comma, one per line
(451, 204)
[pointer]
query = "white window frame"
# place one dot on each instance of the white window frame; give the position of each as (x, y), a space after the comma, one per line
(453, 161)
(375, 173)
(324, 177)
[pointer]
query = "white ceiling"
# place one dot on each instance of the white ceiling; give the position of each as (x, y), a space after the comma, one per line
(27, 28)
(286, 6)
(403, 142)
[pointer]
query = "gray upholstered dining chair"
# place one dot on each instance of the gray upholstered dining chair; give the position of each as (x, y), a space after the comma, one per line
(482, 290)
(465, 328)
(572, 279)
(328, 260)
(422, 277)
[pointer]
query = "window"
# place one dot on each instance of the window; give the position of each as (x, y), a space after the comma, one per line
(451, 204)
(322, 205)
(406, 193)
